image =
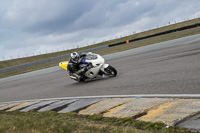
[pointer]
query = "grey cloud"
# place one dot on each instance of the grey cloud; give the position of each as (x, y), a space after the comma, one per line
(107, 15)
(40, 24)
(69, 16)
(66, 16)
(46, 15)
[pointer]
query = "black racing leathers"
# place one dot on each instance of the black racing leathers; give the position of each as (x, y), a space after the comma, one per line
(74, 69)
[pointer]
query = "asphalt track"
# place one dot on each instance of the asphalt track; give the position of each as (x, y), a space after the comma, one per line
(171, 67)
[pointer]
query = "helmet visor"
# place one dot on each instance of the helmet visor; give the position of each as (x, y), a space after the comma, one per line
(76, 58)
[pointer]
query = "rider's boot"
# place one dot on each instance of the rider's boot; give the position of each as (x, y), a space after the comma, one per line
(76, 76)
(80, 75)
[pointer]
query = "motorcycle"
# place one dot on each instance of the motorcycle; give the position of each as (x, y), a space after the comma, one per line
(98, 69)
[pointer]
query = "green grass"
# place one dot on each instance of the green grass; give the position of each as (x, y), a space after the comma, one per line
(52, 122)
(140, 43)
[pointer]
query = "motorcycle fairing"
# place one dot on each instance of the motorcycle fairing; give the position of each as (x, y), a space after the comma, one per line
(97, 62)
(104, 66)
(64, 64)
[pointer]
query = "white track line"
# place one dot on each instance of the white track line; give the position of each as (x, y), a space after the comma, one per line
(118, 96)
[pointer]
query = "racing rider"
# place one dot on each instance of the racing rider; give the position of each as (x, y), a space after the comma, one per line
(74, 63)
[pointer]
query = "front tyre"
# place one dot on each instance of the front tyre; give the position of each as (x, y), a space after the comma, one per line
(111, 71)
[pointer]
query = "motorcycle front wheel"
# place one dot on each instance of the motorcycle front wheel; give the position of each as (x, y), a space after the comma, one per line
(111, 71)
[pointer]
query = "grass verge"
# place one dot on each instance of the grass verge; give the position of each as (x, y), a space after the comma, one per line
(52, 122)
(110, 50)
(14, 62)
(140, 43)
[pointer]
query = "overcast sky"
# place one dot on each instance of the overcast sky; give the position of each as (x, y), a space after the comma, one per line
(30, 27)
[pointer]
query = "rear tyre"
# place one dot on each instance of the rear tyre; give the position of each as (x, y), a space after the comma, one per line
(111, 71)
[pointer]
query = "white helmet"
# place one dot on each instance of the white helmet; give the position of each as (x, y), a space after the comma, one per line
(75, 57)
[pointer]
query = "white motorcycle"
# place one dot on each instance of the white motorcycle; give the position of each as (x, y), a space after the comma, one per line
(98, 69)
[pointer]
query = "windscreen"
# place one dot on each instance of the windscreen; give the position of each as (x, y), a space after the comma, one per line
(91, 56)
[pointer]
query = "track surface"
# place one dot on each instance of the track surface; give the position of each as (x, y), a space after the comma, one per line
(171, 67)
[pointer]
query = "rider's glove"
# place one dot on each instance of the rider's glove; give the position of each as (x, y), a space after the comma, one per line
(89, 65)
